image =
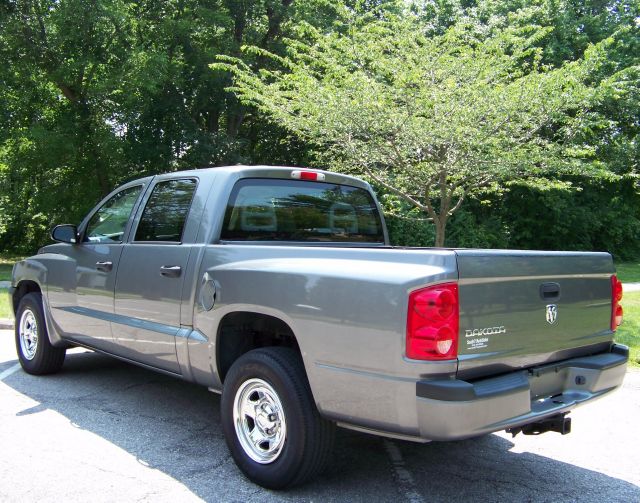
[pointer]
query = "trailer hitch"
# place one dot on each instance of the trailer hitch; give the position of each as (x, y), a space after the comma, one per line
(559, 423)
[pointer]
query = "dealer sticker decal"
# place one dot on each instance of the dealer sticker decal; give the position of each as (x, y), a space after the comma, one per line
(477, 338)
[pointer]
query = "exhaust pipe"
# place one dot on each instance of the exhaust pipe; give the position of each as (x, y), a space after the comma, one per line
(559, 423)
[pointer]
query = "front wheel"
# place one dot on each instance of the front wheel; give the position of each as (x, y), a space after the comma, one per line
(271, 424)
(36, 354)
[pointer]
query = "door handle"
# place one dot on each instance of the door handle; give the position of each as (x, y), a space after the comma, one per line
(104, 266)
(550, 291)
(171, 271)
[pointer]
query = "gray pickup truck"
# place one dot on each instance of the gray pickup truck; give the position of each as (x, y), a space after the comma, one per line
(278, 288)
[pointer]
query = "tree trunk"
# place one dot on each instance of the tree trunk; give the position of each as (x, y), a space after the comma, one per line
(441, 227)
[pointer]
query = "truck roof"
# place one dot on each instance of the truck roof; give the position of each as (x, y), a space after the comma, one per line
(264, 171)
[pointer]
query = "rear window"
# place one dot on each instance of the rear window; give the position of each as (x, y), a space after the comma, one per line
(290, 210)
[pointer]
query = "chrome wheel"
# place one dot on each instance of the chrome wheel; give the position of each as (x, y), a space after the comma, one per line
(258, 417)
(28, 334)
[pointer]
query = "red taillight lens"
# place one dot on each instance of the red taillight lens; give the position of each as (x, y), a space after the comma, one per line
(616, 297)
(432, 323)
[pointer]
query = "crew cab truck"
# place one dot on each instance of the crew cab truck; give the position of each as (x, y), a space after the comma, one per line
(277, 287)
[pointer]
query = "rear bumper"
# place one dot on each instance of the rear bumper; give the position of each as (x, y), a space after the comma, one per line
(455, 409)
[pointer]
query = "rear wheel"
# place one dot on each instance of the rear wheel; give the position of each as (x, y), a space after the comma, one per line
(35, 352)
(271, 424)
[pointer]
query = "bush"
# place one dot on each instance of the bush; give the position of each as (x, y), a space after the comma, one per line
(602, 216)
(408, 231)
(596, 216)
(477, 227)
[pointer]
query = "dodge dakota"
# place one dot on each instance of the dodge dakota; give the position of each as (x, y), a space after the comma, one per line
(277, 287)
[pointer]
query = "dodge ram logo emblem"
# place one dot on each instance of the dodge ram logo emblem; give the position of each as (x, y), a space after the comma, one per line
(552, 313)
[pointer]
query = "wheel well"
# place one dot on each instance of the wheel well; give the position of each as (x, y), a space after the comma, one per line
(241, 332)
(24, 287)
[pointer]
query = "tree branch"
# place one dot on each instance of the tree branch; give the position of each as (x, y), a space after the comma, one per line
(396, 191)
(457, 205)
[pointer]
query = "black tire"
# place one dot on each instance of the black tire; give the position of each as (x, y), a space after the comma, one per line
(37, 356)
(308, 439)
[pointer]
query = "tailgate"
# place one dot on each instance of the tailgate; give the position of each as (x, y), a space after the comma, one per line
(522, 308)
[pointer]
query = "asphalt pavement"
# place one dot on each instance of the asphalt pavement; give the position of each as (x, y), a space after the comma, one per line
(103, 430)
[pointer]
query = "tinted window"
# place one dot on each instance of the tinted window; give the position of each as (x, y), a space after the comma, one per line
(290, 210)
(108, 223)
(166, 211)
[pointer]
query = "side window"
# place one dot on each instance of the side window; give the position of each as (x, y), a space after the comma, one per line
(108, 223)
(166, 211)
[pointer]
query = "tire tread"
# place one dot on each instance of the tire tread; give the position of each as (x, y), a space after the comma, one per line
(319, 444)
(48, 358)
(319, 433)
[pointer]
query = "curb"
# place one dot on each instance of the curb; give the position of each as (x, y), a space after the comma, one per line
(6, 324)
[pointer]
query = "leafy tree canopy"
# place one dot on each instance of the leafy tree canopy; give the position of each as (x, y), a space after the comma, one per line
(515, 102)
(432, 118)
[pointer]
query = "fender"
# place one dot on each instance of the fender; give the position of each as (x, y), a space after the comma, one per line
(32, 271)
(199, 349)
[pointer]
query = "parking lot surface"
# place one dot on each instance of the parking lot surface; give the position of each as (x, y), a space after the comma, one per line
(103, 430)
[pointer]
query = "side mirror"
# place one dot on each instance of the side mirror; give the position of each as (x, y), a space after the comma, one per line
(65, 233)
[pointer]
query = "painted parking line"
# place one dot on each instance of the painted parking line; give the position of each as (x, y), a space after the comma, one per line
(403, 477)
(5, 364)
(9, 371)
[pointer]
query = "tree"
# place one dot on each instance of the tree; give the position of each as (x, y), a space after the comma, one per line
(94, 92)
(433, 120)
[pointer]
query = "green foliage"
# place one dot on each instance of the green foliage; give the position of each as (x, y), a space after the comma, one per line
(432, 119)
(603, 216)
(582, 215)
(407, 226)
(407, 231)
(460, 95)
(478, 227)
(95, 93)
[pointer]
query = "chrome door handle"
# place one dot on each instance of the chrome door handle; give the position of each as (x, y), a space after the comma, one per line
(171, 271)
(104, 266)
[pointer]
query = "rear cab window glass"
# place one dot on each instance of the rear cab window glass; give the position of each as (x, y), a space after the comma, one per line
(166, 211)
(291, 210)
(107, 225)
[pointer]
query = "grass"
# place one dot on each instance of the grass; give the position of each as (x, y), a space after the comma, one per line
(5, 309)
(628, 272)
(6, 266)
(629, 332)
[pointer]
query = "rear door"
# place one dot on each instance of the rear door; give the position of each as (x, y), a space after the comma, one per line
(151, 274)
(521, 308)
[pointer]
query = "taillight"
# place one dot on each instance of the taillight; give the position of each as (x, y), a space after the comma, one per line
(432, 323)
(616, 297)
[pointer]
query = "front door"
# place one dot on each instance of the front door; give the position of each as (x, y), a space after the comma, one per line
(82, 307)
